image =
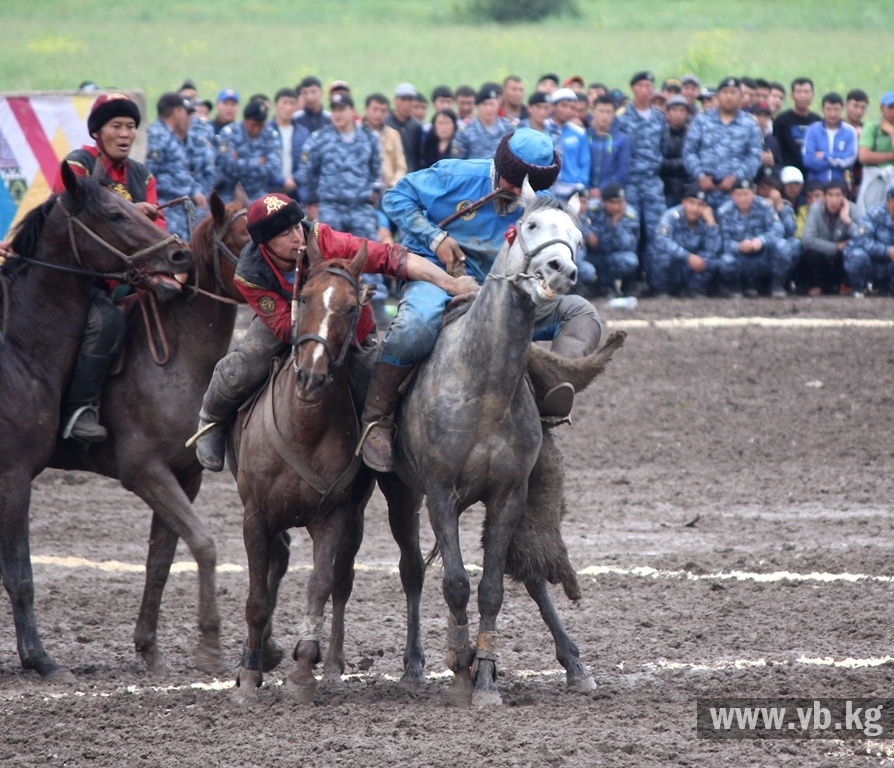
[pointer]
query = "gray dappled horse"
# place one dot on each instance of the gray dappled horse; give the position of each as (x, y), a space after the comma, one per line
(61, 246)
(469, 431)
(293, 455)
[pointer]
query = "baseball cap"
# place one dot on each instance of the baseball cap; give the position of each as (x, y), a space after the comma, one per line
(613, 192)
(743, 183)
(228, 94)
(761, 108)
(693, 190)
(341, 99)
(173, 100)
(562, 94)
(672, 83)
(690, 78)
(405, 91)
(573, 79)
(729, 82)
(644, 75)
(256, 111)
(339, 85)
(488, 91)
(888, 99)
(791, 175)
(707, 93)
(677, 101)
(538, 97)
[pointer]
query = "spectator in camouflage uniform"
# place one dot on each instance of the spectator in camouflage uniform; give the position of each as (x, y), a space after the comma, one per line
(769, 187)
(480, 138)
(869, 256)
(687, 258)
(723, 145)
(169, 158)
(611, 229)
(248, 153)
(643, 125)
(752, 234)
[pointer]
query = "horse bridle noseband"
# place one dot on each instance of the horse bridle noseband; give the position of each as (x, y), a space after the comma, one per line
(530, 254)
(334, 363)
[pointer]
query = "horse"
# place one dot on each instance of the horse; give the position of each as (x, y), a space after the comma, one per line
(149, 409)
(469, 431)
(296, 465)
(86, 232)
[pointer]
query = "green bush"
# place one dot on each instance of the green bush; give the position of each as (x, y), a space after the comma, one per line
(505, 11)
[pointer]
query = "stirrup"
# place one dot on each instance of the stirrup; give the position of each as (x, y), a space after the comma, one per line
(98, 435)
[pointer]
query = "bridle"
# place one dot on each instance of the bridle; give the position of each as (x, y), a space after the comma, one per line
(335, 363)
(517, 233)
(218, 239)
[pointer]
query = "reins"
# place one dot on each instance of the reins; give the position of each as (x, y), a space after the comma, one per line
(218, 241)
(529, 254)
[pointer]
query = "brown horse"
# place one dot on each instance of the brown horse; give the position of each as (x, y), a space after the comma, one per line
(297, 467)
(61, 245)
(149, 410)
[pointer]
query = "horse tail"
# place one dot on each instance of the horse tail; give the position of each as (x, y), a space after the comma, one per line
(548, 370)
(433, 555)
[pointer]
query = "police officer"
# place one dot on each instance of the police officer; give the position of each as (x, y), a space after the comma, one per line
(340, 165)
(869, 256)
(416, 204)
(249, 153)
(267, 269)
(168, 158)
(644, 127)
(612, 236)
(752, 235)
(687, 255)
(769, 187)
(723, 144)
(480, 138)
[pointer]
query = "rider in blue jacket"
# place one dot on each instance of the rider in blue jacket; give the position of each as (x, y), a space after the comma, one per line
(416, 204)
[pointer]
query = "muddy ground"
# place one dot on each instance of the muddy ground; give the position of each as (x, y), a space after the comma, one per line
(706, 459)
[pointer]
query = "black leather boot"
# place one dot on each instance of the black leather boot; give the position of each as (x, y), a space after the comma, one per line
(378, 415)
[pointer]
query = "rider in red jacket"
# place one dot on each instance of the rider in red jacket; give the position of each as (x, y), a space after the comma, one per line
(265, 275)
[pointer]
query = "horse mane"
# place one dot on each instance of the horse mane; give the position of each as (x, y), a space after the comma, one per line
(550, 203)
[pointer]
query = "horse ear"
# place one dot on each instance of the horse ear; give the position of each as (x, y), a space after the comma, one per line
(528, 195)
(72, 183)
(239, 196)
(574, 204)
(359, 260)
(218, 208)
(313, 249)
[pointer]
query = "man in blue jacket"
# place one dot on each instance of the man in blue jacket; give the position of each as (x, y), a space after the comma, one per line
(415, 204)
(830, 145)
(609, 148)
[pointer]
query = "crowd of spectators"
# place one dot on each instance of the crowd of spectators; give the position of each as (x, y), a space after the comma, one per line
(682, 189)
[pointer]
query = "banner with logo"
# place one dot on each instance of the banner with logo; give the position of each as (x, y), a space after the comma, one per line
(37, 130)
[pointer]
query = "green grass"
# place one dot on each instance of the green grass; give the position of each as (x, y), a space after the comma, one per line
(257, 45)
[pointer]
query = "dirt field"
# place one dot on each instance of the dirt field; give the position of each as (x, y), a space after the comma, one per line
(730, 486)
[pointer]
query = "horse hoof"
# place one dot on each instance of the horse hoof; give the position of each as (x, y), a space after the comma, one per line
(208, 659)
(413, 680)
(460, 692)
(582, 684)
(58, 676)
(245, 694)
(486, 698)
(332, 680)
(273, 655)
(156, 663)
(301, 692)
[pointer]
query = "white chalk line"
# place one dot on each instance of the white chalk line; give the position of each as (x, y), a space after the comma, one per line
(655, 667)
(694, 323)
(115, 566)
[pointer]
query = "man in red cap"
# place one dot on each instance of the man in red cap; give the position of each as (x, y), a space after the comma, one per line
(112, 122)
(265, 275)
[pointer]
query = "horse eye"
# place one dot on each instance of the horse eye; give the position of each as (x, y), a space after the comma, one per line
(532, 225)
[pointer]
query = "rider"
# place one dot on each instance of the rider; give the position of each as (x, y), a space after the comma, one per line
(112, 122)
(415, 205)
(265, 275)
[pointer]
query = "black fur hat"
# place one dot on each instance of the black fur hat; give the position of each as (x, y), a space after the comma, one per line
(110, 105)
(271, 215)
(527, 153)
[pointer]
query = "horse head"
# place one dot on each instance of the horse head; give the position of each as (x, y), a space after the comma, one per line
(218, 240)
(540, 258)
(106, 233)
(325, 312)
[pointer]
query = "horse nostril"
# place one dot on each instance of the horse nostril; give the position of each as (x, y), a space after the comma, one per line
(572, 275)
(555, 265)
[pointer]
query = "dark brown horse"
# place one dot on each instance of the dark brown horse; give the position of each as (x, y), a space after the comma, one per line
(296, 467)
(149, 410)
(61, 245)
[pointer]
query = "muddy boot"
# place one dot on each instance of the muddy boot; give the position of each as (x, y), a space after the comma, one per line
(579, 337)
(378, 415)
(81, 407)
(214, 419)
